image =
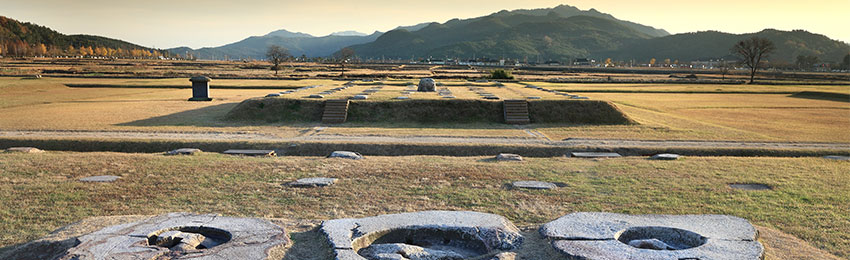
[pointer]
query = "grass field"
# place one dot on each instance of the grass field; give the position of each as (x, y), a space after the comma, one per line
(39, 192)
(50, 105)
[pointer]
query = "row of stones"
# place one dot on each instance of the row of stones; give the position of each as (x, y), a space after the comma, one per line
(433, 235)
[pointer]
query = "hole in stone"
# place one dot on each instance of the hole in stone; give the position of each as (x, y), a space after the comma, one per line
(423, 243)
(660, 238)
(750, 186)
(188, 238)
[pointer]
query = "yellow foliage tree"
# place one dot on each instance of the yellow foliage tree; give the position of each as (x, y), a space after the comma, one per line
(41, 49)
(666, 61)
(1, 49)
(71, 50)
(652, 62)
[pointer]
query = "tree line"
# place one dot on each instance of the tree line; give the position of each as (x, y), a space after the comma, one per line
(23, 49)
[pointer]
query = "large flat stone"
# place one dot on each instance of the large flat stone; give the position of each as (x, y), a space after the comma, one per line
(313, 182)
(508, 157)
(346, 155)
(457, 228)
(249, 238)
(666, 156)
(101, 178)
(837, 157)
(184, 151)
(594, 235)
(594, 155)
(23, 150)
(251, 152)
(534, 185)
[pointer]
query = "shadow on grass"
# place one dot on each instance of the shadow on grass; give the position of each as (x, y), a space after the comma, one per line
(308, 245)
(829, 96)
(210, 116)
(41, 249)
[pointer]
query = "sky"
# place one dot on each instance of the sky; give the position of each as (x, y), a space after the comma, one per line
(173, 23)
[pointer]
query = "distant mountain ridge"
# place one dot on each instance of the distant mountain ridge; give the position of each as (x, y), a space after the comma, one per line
(15, 32)
(558, 33)
(716, 45)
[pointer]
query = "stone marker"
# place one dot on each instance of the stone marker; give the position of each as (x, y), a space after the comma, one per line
(448, 96)
(270, 153)
(508, 157)
(750, 186)
(598, 235)
(491, 97)
(426, 234)
(101, 178)
(200, 88)
(402, 97)
(427, 85)
(534, 97)
(184, 151)
(23, 150)
(315, 96)
(837, 157)
(313, 182)
(594, 155)
(360, 97)
(183, 236)
(578, 97)
(534, 185)
(273, 95)
(346, 155)
(666, 156)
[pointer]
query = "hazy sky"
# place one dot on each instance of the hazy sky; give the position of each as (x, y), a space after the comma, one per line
(174, 23)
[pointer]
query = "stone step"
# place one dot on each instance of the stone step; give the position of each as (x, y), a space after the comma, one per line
(335, 112)
(516, 112)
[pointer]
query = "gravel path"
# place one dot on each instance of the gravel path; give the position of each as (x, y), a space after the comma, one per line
(534, 139)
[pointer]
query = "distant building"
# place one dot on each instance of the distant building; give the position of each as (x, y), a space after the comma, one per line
(583, 62)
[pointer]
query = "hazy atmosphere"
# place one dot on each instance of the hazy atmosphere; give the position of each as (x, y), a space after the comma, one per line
(167, 24)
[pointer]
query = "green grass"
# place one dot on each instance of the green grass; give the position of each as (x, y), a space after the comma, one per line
(39, 192)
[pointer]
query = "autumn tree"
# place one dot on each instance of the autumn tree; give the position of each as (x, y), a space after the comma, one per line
(41, 50)
(751, 51)
(343, 56)
(652, 62)
(276, 55)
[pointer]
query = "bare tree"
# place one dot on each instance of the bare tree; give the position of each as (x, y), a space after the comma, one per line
(343, 56)
(276, 55)
(751, 51)
(723, 67)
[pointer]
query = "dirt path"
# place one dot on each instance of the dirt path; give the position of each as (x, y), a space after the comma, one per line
(533, 139)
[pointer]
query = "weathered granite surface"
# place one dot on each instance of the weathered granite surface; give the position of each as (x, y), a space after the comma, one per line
(534, 185)
(594, 155)
(666, 156)
(245, 238)
(184, 151)
(465, 230)
(23, 150)
(594, 235)
(346, 155)
(508, 157)
(427, 85)
(313, 182)
(101, 178)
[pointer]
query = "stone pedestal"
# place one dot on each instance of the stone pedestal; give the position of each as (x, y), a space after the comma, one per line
(200, 89)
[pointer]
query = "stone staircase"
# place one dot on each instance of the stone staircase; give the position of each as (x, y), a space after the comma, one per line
(336, 111)
(516, 112)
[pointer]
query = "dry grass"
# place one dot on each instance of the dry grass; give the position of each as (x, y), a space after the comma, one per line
(48, 104)
(39, 192)
(770, 117)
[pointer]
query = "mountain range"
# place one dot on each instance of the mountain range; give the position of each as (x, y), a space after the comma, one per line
(561, 33)
(297, 43)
